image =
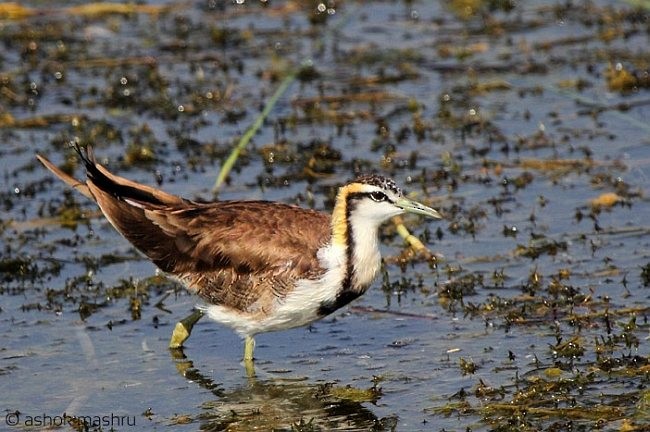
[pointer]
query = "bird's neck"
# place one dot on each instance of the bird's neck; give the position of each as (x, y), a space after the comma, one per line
(358, 238)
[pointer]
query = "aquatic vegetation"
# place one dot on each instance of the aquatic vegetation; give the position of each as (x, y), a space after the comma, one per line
(524, 122)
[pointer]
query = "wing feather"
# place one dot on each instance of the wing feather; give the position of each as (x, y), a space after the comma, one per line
(240, 254)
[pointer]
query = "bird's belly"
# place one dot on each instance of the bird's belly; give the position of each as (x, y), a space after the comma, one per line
(301, 306)
(308, 301)
(288, 314)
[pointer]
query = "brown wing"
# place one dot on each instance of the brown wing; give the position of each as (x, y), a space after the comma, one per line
(239, 254)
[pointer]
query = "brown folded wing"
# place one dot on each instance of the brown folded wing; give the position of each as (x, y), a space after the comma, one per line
(240, 254)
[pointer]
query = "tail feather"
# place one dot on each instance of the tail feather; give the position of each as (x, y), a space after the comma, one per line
(111, 184)
(126, 205)
(71, 181)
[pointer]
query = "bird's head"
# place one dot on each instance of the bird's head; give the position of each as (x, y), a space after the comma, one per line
(372, 200)
(376, 198)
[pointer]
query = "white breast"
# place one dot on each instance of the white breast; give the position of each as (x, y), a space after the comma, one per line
(301, 305)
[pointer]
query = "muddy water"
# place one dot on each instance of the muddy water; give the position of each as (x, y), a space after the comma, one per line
(527, 125)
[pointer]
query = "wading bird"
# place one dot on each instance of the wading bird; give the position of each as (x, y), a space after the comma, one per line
(259, 266)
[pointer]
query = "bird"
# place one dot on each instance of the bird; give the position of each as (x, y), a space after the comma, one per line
(258, 266)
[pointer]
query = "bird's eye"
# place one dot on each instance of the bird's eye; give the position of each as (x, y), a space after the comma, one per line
(378, 196)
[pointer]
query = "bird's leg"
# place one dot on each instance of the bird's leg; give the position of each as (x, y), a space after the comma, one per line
(249, 367)
(249, 347)
(183, 329)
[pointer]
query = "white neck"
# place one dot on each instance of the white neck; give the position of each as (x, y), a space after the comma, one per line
(366, 259)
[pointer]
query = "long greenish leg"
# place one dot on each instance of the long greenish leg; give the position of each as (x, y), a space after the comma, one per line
(249, 367)
(249, 347)
(183, 329)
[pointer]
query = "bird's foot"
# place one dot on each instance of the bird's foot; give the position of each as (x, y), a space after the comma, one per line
(183, 329)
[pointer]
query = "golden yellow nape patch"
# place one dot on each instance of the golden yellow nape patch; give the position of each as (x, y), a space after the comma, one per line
(339, 217)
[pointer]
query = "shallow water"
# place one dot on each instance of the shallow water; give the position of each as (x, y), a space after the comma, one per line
(500, 118)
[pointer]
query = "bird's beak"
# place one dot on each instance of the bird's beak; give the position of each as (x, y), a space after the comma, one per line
(415, 207)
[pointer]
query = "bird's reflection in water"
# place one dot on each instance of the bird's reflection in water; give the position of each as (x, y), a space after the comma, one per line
(282, 404)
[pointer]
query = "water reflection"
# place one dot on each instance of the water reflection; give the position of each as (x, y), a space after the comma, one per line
(283, 404)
